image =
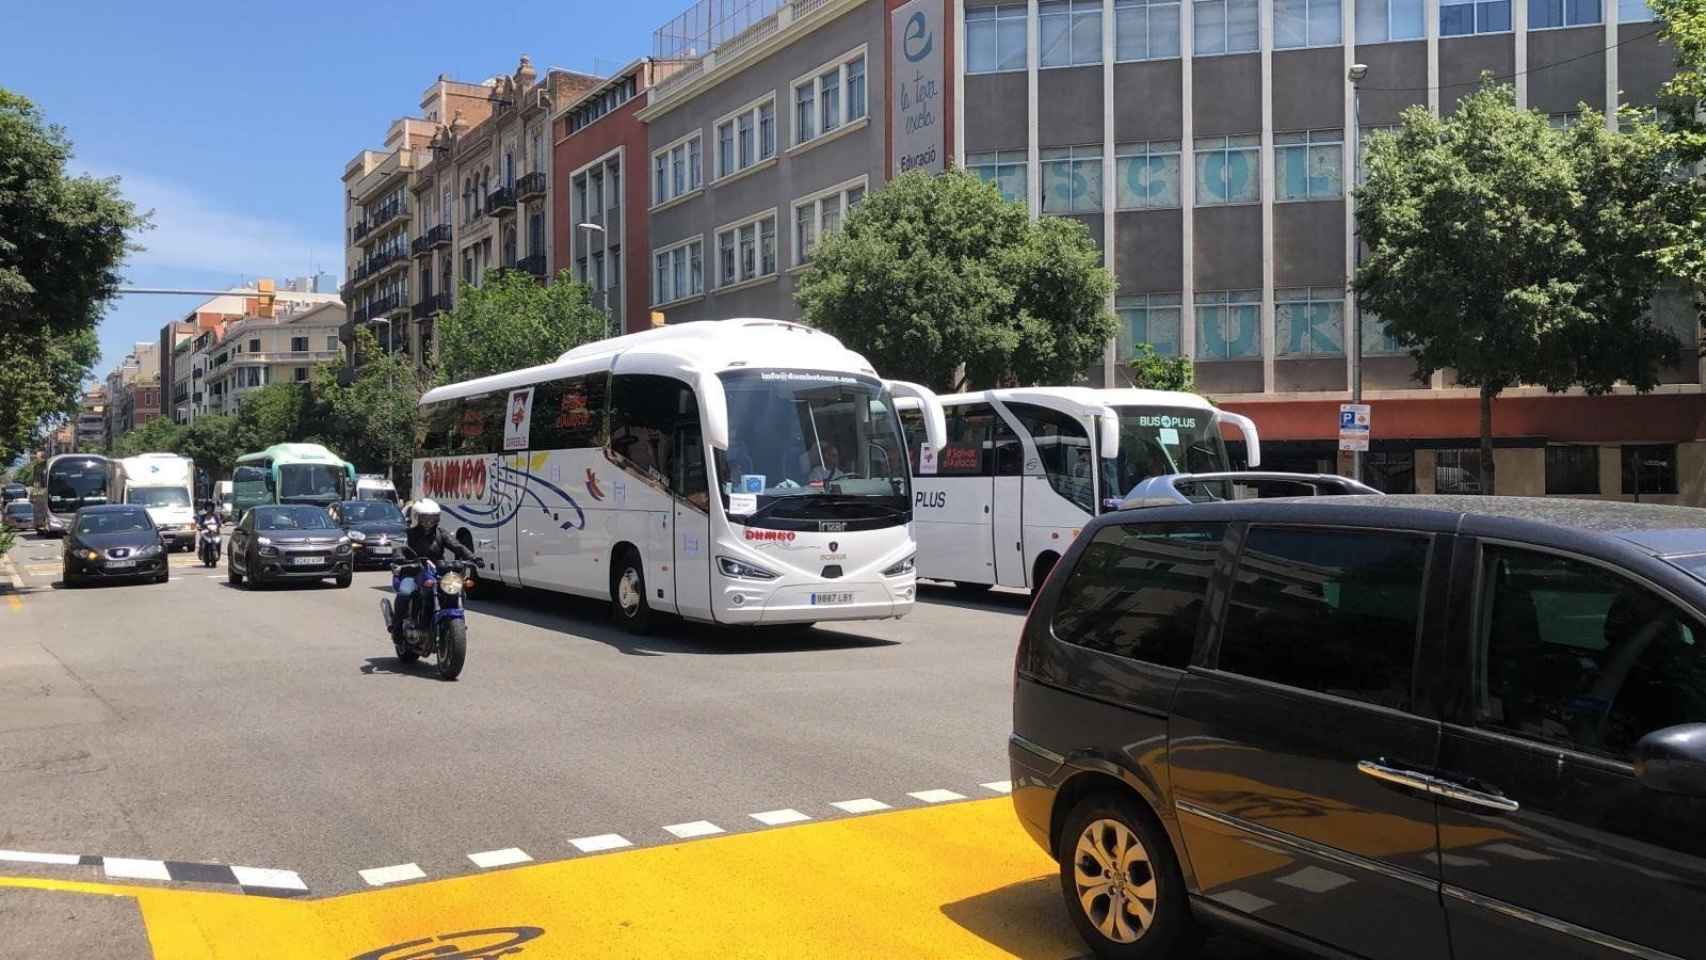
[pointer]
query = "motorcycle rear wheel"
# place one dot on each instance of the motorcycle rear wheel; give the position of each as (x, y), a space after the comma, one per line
(452, 648)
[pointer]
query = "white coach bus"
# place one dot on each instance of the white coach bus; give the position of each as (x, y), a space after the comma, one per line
(737, 471)
(1024, 469)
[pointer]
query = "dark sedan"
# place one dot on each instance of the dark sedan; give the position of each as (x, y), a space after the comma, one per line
(113, 542)
(279, 543)
(374, 527)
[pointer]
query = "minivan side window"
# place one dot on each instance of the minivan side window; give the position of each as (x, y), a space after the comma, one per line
(1570, 653)
(1137, 591)
(1333, 611)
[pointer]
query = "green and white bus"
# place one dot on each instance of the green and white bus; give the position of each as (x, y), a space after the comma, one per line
(290, 473)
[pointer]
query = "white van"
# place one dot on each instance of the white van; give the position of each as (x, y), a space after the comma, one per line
(223, 493)
(164, 483)
(371, 486)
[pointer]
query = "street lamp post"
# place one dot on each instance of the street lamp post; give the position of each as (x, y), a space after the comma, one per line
(603, 288)
(391, 380)
(1355, 74)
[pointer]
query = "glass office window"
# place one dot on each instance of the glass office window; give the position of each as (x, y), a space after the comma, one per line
(1309, 322)
(1148, 318)
(1227, 170)
(1004, 168)
(1306, 23)
(1146, 174)
(1309, 166)
(1146, 29)
(1229, 325)
(1072, 179)
(1381, 20)
(995, 38)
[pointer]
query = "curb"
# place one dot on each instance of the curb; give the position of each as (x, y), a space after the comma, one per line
(255, 881)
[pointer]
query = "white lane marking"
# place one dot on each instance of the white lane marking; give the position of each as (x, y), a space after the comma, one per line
(1239, 900)
(499, 858)
(135, 869)
(866, 805)
(1315, 880)
(698, 828)
(380, 876)
(264, 877)
(936, 796)
(775, 818)
(604, 841)
(24, 856)
(999, 786)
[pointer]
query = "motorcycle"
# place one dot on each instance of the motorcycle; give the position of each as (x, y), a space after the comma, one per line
(435, 625)
(210, 546)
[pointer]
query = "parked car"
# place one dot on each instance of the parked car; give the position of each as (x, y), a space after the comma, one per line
(1392, 727)
(18, 515)
(113, 542)
(374, 527)
(14, 491)
(276, 543)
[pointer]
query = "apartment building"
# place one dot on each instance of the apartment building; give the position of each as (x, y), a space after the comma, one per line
(596, 214)
(777, 124)
(378, 214)
(184, 363)
(133, 389)
(91, 421)
(255, 351)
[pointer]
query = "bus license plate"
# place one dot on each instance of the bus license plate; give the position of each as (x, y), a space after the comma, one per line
(821, 599)
(307, 561)
(120, 564)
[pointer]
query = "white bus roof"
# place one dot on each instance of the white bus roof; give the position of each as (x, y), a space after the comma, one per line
(1083, 401)
(707, 346)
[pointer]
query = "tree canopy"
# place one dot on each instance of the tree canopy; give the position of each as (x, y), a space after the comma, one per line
(62, 240)
(933, 272)
(1515, 253)
(1152, 371)
(512, 321)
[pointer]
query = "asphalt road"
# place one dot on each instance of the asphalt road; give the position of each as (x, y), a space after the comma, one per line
(198, 722)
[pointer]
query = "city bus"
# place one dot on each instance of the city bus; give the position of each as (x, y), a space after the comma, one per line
(739, 471)
(290, 473)
(1024, 469)
(71, 481)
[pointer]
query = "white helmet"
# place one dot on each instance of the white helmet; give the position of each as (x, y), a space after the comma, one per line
(424, 513)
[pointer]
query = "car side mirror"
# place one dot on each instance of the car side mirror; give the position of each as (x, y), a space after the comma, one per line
(1673, 760)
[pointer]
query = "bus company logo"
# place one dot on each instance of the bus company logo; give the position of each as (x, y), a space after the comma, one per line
(1163, 420)
(932, 499)
(455, 478)
(771, 536)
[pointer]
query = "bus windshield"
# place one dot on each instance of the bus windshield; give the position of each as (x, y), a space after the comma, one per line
(76, 483)
(812, 445)
(1156, 441)
(158, 496)
(313, 482)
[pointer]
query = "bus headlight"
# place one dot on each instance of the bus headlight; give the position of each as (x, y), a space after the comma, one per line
(904, 567)
(741, 570)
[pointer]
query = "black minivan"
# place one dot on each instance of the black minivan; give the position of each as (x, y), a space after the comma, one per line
(1380, 727)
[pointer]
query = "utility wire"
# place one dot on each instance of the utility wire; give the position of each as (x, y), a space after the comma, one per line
(1598, 52)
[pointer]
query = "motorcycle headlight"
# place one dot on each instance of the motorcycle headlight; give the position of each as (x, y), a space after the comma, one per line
(904, 567)
(357, 536)
(741, 570)
(450, 584)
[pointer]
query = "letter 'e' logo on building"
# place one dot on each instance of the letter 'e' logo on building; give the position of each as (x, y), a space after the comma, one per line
(916, 42)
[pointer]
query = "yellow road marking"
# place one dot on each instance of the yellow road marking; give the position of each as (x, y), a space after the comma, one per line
(956, 881)
(13, 601)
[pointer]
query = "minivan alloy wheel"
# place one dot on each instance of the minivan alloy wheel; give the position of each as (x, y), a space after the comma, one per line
(1114, 879)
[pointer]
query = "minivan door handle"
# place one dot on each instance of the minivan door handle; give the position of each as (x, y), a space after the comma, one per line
(1437, 786)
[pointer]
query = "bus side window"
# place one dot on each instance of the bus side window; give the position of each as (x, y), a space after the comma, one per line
(643, 413)
(1063, 445)
(969, 431)
(568, 414)
(912, 427)
(435, 426)
(1009, 452)
(479, 425)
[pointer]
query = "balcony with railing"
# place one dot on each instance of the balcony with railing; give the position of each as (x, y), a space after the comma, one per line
(381, 263)
(534, 265)
(384, 215)
(424, 244)
(431, 306)
(501, 200)
(361, 229)
(532, 185)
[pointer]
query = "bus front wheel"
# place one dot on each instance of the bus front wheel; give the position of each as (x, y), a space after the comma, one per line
(628, 593)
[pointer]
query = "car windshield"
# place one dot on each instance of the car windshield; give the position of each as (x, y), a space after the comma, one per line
(158, 497)
(309, 481)
(827, 440)
(1160, 440)
(113, 521)
(293, 518)
(19, 509)
(76, 483)
(372, 511)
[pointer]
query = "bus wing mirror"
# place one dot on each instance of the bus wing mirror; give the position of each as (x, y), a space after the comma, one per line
(713, 411)
(1247, 427)
(1108, 433)
(935, 420)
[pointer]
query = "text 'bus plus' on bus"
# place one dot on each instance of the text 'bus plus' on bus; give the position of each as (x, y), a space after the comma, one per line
(735, 471)
(1024, 469)
(291, 473)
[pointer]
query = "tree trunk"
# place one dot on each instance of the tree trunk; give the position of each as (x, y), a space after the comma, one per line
(1487, 393)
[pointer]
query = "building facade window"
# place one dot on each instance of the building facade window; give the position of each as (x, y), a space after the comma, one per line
(1069, 32)
(1225, 26)
(1309, 166)
(1146, 29)
(1146, 174)
(1072, 179)
(746, 137)
(678, 272)
(1309, 322)
(1649, 468)
(1634, 11)
(830, 97)
(1005, 169)
(1306, 23)
(747, 250)
(819, 215)
(1148, 318)
(1572, 469)
(1229, 325)
(676, 169)
(1458, 18)
(995, 38)
(1562, 13)
(1227, 170)
(1457, 471)
(1377, 340)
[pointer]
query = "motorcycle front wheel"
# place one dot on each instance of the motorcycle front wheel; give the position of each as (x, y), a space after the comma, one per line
(452, 648)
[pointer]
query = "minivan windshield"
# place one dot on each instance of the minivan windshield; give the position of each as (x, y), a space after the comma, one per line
(158, 497)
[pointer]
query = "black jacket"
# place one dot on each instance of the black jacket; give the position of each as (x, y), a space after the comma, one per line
(433, 545)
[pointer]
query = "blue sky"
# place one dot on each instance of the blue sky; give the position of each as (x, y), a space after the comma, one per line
(233, 121)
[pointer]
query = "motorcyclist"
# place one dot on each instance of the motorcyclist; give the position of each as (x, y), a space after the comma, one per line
(206, 525)
(426, 539)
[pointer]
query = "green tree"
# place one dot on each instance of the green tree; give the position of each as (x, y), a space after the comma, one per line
(1514, 253)
(62, 239)
(371, 420)
(276, 413)
(213, 442)
(159, 435)
(513, 321)
(932, 272)
(1152, 371)
(1682, 107)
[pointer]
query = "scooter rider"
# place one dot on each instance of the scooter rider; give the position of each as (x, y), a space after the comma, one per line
(426, 539)
(206, 526)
